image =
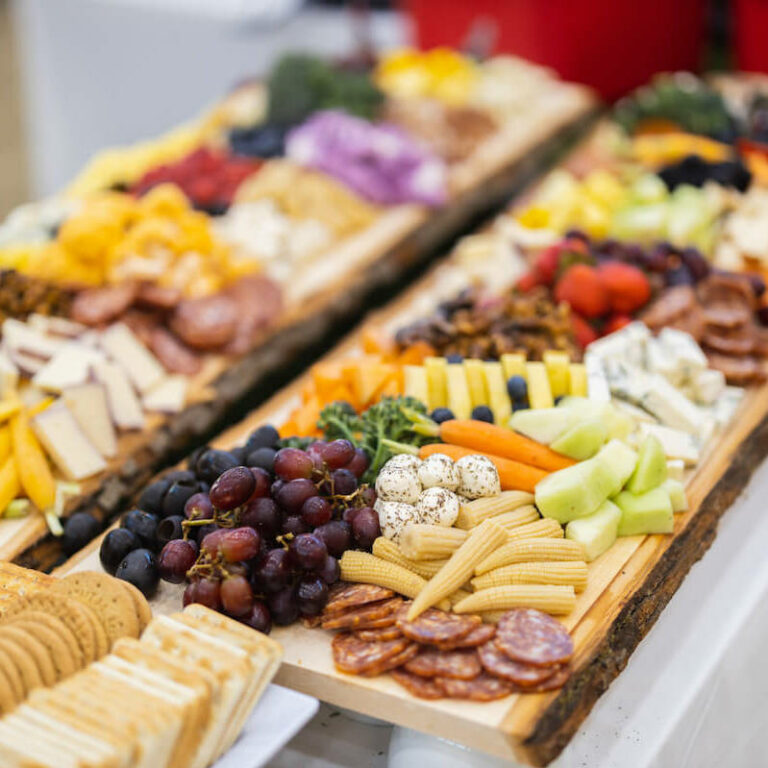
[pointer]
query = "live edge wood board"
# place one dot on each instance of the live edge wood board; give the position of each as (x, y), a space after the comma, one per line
(628, 588)
(399, 240)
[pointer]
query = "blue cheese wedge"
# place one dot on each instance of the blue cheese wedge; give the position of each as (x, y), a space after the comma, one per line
(598, 389)
(676, 443)
(707, 385)
(688, 356)
(626, 344)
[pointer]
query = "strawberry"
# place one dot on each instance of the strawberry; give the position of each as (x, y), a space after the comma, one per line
(615, 323)
(581, 287)
(628, 287)
(528, 281)
(547, 263)
(582, 330)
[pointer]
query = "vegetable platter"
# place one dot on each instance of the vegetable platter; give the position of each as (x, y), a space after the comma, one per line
(172, 276)
(629, 579)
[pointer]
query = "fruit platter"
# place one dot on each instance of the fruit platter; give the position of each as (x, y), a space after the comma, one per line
(145, 301)
(466, 516)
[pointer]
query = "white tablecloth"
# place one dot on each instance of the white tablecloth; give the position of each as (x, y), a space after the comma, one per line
(693, 695)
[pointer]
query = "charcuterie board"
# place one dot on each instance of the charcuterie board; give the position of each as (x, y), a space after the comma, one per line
(628, 587)
(335, 290)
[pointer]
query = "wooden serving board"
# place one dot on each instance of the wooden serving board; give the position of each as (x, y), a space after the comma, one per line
(628, 587)
(335, 288)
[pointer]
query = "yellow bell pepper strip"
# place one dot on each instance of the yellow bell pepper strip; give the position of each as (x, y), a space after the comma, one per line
(39, 407)
(10, 487)
(6, 448)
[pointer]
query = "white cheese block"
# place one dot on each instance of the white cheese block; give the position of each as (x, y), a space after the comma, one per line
(707, 385)
(88, 404)
(658, 359)
(169, 395)
(597, 384)
(124, 347)
(66, 443)
(56, 326)
(9, 375)
(628, 344)
(69, 367)
(672, 407)
(727, 404)
(124, 406)
(687, 352)
(676, 443)
(21, 337)
(676, 469)
(638, 414)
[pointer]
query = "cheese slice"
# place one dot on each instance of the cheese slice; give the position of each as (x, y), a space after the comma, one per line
(124, 406)
(69, 367)
(123, 346)
(88, 404)
(168, 395)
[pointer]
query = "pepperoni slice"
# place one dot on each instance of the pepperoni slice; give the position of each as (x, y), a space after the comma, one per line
(484, 687)
(421, 687)
(558, 680)
(500, 665)
(398, 660)
(459, 665)
(383, 633)
(436, 626)
(350, 654)
(477, 637)
(365, 617)
(533, 637)
(346, 596)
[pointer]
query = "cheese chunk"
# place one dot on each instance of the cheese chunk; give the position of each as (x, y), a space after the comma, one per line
(142, 367)
(88, 404)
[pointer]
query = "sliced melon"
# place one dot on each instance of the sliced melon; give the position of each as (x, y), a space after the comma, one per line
(596, 532)
(649, 512)
(544, 424)
(651, 469)
(676, 491)
(619, 460)
(675, 469)
(581, 441)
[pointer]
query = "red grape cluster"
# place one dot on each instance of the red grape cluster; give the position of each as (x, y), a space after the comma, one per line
(263, 546)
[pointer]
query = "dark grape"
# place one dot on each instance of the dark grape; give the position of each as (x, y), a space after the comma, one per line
(79, 529)
(349, 514)
(233, 488)
(198, 507)
(757, 283)
(151, 499)
(143, 524)
(368, 496)
(330, 571)
(308, 551)
(264, 458)
(344, 482)
(201, 531)
(294, 493)
(697, 265)
(312, 595)
(236, 596)
(194, 456)
(238, 544)
(239, 453)
(274, 571)
(265, 436)
(274, 489)
(337, 453)
(316, 511)
(190, 594)
(263, 515)
(294, 524)
(440, 415)
(175, 559)
(358, 464)
(454, 358)
(336, 535)
(258, 618)
(213, 463)
(115, 546)
(482, 413)
(679, 276)
(365, 528)
(212, 541)
(262, 480)
(315, 452)
(140, 569)
(209, 593)
(180, 476)
(176, 497)
(169, 528)
(283, 606)
(291, 464)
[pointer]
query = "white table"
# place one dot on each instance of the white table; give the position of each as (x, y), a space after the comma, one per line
(693, 695)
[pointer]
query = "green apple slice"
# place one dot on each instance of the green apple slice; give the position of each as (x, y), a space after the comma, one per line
(598, 531)
(649, 512)
(581, 441)
(651, 469)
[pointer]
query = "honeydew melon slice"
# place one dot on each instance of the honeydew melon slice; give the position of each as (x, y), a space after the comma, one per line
(581, 441)
(649, 512)
(677, 497)
(598, 531)
(544, 424)
(620, 462)
(651, 469)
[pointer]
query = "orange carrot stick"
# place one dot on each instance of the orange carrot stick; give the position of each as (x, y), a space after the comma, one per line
(513, 475)
(500, 441)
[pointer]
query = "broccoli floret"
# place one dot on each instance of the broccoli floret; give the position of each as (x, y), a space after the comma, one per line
(339, 421)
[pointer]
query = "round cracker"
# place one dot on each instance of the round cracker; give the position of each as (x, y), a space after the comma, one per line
(24, 663)
(56, 637)
(14, 676)
(100, 636)
(106, 596)
(7, 700)
(140, 604)
(37, 649)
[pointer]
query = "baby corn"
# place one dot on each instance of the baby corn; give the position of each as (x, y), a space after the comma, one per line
(539, 529)
(386, 549)
(531, 551)
(420, 541)
(480, 543)
(517, 517)
(474, 512)
(568, 573)
(543, 597)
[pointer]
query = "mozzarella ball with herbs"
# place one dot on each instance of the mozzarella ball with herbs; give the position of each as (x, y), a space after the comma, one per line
(478, 477)
(398, 484)
(404, 461)
(438, 506)
(439, 471)
(394, 516)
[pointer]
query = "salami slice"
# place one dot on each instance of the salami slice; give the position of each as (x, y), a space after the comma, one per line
(398, 660)
(365, 617)
(436, 626)
(354, 595)
(355, 656)
(459, 665)
(532, 637)
(383, 633)
(421, 687)
(558, 680)
(484, 687)
(500, 665)
(477, 637)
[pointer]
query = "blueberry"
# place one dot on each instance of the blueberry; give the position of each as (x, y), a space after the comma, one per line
(140, 569)
(265, 436)
(151, 499)
(559, 399)
(176, 497)
(79, 529)
(482, 413)
(440, 415)
(213, 463)
(115, 546)
(454, 358)
(262, 457)
(518, 406)
(143, 524)
(169, 528)
(517, 387)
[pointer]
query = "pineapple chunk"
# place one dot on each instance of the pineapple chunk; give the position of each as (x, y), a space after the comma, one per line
(578, 379)
(557, 363)
(415, 377)
(437, 391)
(478, 392)
(513, 364)
(458, 391)
(498, 399)
(539, 391)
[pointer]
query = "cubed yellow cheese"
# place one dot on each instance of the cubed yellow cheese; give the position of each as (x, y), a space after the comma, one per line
(539, 391)
(557, 363)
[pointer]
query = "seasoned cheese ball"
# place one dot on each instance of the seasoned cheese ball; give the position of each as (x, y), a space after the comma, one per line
(398, 484)
(439, 470)
(403, 461)
(478, 477)
(438, 506)
(394, 516)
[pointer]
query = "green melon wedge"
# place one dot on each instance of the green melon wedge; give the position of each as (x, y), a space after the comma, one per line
(649, 512)
(651, 469)
(598, 531)
(581, 441)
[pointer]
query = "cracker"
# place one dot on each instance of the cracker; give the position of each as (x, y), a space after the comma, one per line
(7, 699)
(14, 676)
(100, 636)
(140, 603)
(24, 663)
(37, 649)
(56, 637)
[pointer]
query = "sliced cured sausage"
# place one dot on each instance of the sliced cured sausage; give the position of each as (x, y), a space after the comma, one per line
(384, 633)
(206, 323)
(737, 370)
(95, 306)
(484, 687)
(533, 637)
(500, 665)
(175, 356)
(421, 687)
(436, 626)
(460, 665)
(354, 595)
(394, 662)
(355, 656)
(477, 637)
(364, 617)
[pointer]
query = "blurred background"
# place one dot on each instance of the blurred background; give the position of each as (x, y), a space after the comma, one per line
(80, 75)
